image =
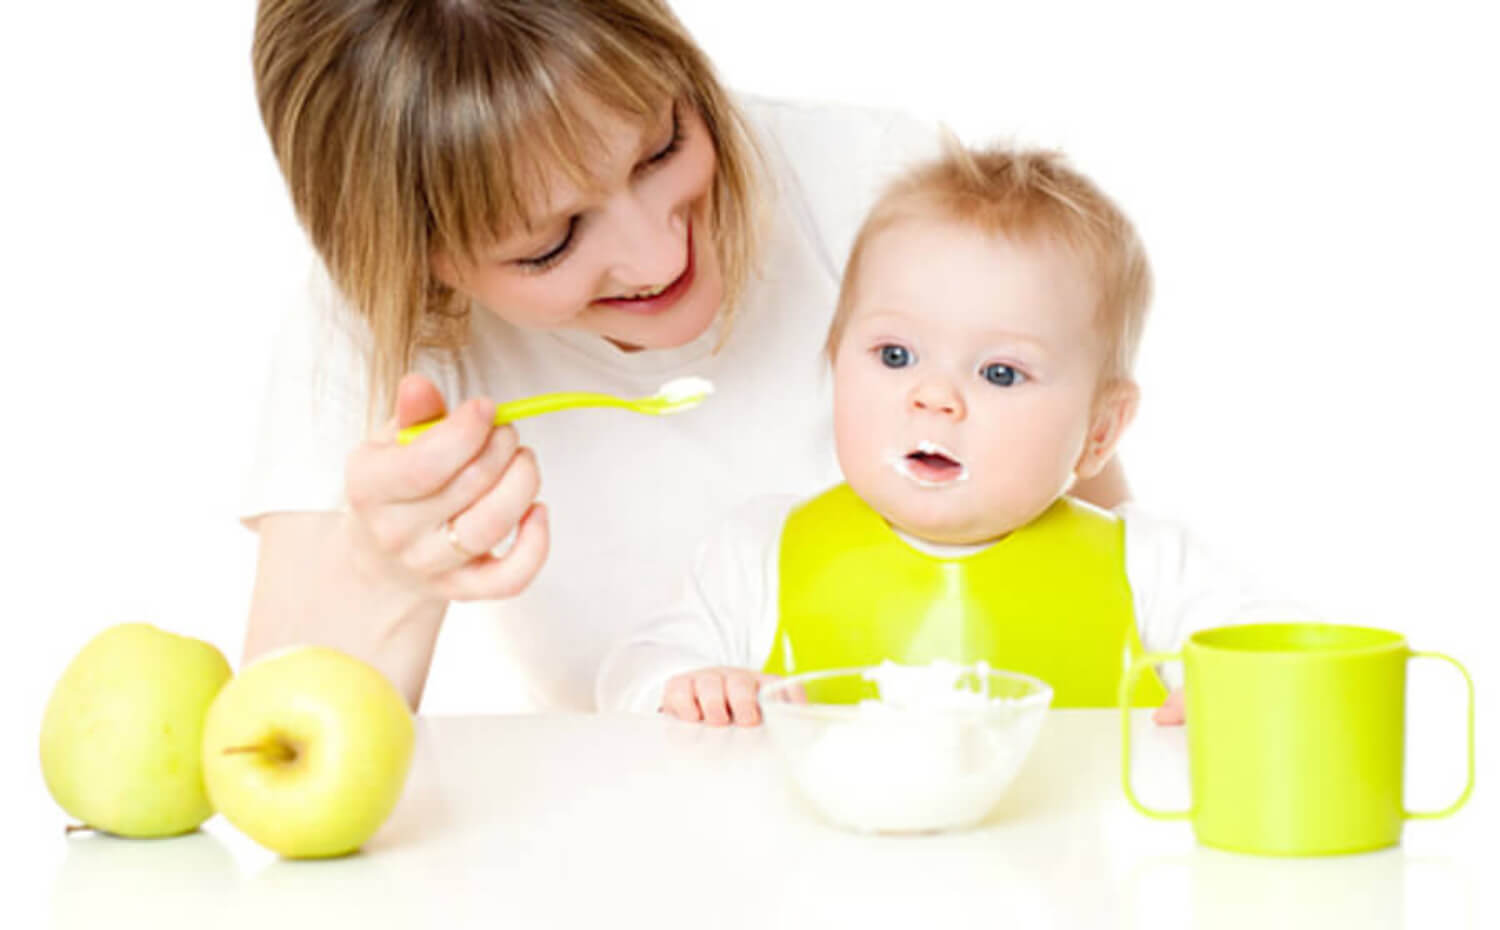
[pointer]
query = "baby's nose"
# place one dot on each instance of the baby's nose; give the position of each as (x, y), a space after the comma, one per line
(939, 398)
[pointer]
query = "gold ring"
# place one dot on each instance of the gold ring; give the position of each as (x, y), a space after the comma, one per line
(458, 547)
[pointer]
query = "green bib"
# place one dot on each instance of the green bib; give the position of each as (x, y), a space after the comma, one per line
(1051, 599)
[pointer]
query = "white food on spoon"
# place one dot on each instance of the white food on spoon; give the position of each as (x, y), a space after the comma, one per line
(680, 389)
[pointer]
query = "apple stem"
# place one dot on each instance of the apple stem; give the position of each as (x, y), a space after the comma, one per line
(273, 750)
(72, 828)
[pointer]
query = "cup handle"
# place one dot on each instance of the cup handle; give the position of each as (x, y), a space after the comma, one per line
(1469, 786)
(1126, 685)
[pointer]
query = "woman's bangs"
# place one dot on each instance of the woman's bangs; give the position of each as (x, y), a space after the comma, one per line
(491, 173)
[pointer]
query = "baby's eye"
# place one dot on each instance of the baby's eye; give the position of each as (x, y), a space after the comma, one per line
(894, 356)
(1002, 375)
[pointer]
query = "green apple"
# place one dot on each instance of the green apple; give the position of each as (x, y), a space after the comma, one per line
(122, 731)
(306, 751)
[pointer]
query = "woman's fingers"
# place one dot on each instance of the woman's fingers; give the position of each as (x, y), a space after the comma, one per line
(417, 401)
(434, 509)
(484, 523)
(443, 502)
(382, 471)
(477, 479)
(379, 489)
(472, 514)
(489, 576)
(456, 527)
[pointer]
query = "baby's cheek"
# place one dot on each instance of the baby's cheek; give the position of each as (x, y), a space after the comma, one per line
(856, 430)
(866, 478)
(1019, 479)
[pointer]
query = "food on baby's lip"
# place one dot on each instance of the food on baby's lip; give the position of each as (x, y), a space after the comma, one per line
(929, 465)
(895, 748)
(122, 730)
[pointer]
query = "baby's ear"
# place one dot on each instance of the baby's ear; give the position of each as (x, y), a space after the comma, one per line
(1113, 412)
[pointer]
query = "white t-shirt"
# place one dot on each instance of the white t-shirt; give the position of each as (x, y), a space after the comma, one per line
(628, 496)
(725, 614)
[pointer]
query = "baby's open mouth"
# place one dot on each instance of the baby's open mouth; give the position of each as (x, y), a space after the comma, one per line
(931, 464)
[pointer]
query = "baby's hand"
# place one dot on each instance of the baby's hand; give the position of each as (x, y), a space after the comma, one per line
(715, 696)
(1171, 713)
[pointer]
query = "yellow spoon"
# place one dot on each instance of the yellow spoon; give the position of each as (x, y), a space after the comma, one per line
(676, 395)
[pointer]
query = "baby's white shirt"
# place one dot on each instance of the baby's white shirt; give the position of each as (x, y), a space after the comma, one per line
(726, 611)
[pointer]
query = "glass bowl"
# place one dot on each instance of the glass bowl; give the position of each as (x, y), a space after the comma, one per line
(904, 748)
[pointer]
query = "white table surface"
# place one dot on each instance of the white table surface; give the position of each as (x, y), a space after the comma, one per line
(583, 821)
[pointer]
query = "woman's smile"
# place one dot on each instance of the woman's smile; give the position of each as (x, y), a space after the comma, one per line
(662, 298)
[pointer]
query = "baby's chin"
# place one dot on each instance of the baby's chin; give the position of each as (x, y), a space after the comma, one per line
(953, 536)
(947, 532)
(942, 518)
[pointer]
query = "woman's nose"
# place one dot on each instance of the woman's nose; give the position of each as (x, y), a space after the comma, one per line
(651, 245)
(937, 396)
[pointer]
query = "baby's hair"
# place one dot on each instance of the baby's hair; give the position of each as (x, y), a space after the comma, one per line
(1026, 195)
(405, 128)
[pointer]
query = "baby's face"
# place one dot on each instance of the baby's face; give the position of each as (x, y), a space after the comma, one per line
(965, 380)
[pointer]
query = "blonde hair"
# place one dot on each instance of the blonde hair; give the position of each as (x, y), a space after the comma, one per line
(408, 127)
(1027, 195)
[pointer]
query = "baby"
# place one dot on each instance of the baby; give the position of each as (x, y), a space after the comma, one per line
(982, 351)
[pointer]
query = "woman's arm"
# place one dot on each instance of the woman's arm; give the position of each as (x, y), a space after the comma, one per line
(375, 580)
(311, 588)
(1106, 489)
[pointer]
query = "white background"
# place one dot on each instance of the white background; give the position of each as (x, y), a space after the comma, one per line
(1315, 182)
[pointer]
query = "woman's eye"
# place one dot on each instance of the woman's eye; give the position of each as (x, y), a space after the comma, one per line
(673, 144)
(1002, 375)
(553, 255)
(892, 356)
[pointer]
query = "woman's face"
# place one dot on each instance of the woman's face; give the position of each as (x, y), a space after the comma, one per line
(633, 260)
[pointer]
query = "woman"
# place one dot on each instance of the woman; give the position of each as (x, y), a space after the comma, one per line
(518, 196)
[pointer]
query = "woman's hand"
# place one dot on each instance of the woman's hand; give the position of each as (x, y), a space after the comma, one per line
(425, 516)
(715, 696)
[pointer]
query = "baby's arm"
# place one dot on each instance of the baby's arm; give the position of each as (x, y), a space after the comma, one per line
(696, 658)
